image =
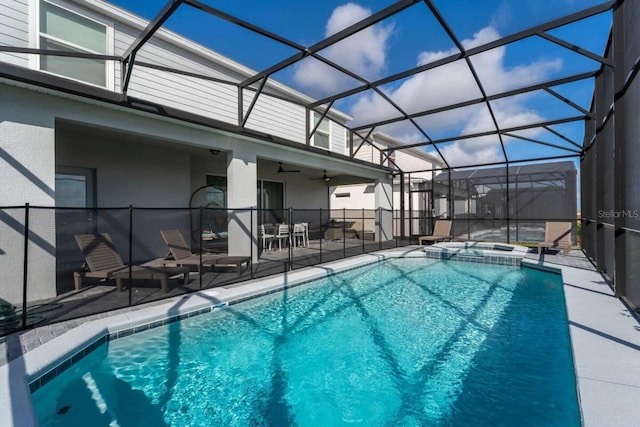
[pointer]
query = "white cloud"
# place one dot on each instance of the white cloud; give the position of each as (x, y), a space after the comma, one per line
(364, 53)
(487, 149)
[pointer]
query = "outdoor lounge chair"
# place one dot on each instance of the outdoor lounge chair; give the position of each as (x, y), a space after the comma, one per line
(556, 235)
(441, 232)
(104, 262)
(182, 255)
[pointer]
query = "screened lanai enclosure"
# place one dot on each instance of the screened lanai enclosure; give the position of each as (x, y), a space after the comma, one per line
(499, 203)
(500, 129)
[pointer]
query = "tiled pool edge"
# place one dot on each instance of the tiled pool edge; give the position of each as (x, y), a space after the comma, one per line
(605, 340)
(596, 407)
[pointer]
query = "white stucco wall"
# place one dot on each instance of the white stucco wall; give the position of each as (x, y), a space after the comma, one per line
(210, 99)
(140, 159)
(27, 175)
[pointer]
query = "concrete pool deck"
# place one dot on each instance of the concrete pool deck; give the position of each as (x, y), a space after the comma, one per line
(605, 337)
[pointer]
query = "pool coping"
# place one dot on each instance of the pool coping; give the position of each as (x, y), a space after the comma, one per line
(605, 337)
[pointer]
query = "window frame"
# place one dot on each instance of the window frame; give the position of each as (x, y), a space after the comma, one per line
(36, 34)
(316, 115)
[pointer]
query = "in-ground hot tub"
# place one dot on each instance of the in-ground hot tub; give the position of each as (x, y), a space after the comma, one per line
(480, 252)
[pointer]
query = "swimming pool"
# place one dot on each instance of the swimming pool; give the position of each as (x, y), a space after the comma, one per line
(404, 342)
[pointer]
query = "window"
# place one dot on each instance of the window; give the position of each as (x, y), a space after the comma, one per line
(270, 193)
(61, 29)
(322, 136)
(271, 202)
(217, 192)
(75, 187)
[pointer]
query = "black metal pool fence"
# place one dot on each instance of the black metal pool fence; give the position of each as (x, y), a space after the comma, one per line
(40, 254)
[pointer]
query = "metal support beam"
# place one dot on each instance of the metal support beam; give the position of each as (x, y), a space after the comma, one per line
(244, 24)
(317, 125)
(526, 89)
(128, 57)
(244, 117)
(587, 113)
(577, 49)
(363, 141)
(493, 132)
(61, 53)
(340, 35)
(548, 144)
(586, 13)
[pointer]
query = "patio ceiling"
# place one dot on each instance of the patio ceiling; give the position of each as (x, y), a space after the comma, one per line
(550, 106)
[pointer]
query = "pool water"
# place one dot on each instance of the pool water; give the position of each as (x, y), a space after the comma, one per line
(407, 342)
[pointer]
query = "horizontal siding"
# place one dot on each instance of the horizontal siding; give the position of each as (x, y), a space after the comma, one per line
(14, 30)
(209, 99)
(338, 139)
(158, 52)
(406, 161)
(275, 116)
(366, 153)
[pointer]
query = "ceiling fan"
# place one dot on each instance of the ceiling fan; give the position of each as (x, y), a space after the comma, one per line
(280, 170)
(324, 177)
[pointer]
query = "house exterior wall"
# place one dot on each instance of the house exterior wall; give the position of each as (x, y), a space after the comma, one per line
(127, 173)
(27, 147)
(14, 30)
(338, 139)
(210, 99)
(362, 196)
(144, 162)
(275, 116)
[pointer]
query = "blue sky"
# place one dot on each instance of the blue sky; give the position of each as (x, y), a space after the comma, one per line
(406, 40)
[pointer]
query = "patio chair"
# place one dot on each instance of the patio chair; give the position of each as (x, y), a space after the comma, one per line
(264, 236)
(283, 234)
(556, 235)
(300, 234)
(104, 262)
(182, 255)
(441, 232)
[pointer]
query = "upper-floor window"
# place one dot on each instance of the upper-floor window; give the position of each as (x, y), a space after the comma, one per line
(322, 136)
(61, 29)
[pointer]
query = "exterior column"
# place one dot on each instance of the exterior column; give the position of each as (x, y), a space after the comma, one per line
(384, 208)
(27, 167)
(241, 197)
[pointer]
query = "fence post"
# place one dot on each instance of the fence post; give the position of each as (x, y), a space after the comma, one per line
(251, 249)
(200, 225)
(321, 235)
(379, 227)
(396, 224)
(362, 230)
(290, 232)
(344, 230)
(25, 268)
(130, 253)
